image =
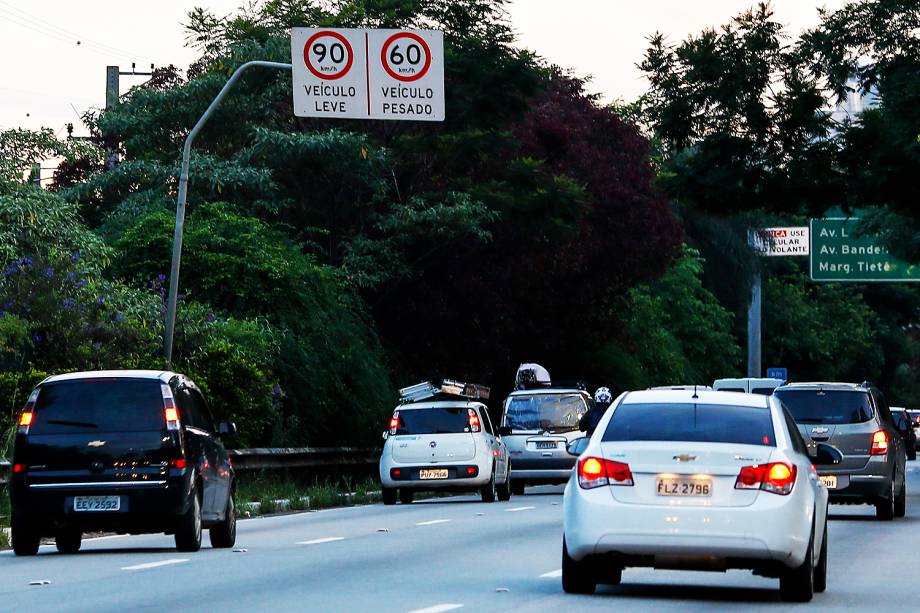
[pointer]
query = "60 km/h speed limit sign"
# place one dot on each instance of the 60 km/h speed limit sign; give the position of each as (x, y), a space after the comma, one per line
(368, 74)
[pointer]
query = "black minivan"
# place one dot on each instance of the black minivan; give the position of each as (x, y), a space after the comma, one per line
(127, 451)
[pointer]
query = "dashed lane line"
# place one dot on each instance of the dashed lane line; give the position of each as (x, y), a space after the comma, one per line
(432, 522)
(553, 574)
(438, 608)
(328, 539)
(515, 509)
(155, 564)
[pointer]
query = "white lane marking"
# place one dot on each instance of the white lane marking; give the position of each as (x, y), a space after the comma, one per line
(103, 538)
(438, 608)
(155, 564)
(329, 539)
(552, 574)
(519, 509)
(432, 522)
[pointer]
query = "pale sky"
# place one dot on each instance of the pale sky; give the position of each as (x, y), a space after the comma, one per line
(47, 78)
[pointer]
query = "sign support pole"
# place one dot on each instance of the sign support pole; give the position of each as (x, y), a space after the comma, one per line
(754, 328)
(180, 205)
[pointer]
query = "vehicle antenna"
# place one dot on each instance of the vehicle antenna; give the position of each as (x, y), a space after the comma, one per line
(695, 395)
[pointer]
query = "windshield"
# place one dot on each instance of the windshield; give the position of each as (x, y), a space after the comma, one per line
(826, 407)
(98, 405)
(545, 412)
(436, 420)
(704, 423)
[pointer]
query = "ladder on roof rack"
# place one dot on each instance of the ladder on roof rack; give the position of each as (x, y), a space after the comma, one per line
(448, 387)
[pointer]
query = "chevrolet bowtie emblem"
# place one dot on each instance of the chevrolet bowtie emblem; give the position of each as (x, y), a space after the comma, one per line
(820, 430)
(685, 457)
(95, 443)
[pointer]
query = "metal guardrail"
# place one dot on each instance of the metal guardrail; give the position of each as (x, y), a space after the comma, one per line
(284, 457)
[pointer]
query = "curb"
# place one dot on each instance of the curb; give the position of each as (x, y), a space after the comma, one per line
(285, 505)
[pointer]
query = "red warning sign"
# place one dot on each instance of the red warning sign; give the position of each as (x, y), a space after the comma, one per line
(406, 56)
(328, 55)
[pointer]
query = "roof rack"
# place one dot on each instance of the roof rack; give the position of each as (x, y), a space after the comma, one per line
(448, 388)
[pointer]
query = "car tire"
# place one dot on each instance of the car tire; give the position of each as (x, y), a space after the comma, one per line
(68, 541)
(900, 501)
(798, 584)
(489, 491)
(188, 529)
(504, 490)
(884, 507)
(26, 538)
(577, 577)
(406, 496)
(389, 495)
(223, 534)
(517, 487)
(820, 582)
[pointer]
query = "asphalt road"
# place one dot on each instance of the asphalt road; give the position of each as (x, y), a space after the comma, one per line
(435, 556)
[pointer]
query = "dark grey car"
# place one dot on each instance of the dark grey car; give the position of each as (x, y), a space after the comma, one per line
(855, 418)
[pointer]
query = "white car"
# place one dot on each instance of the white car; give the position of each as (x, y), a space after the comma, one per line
(699, 481)
(443, 445)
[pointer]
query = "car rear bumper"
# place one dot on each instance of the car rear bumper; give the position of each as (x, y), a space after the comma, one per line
(409, 476)
(145, 507)
(866, 485)
(773, 529)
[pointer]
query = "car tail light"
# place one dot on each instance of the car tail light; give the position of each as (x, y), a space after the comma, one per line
(777, 478)
(20, 468)
(472, 471)
(170, 412)
(27, 415)
(597, 472)
(394, 422)
(879, 443)
(178, 463)
(473, 420)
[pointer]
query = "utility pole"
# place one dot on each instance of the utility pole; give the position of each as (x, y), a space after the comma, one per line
(36, 175)
(112, 92)
(183, 191)
(754, 328)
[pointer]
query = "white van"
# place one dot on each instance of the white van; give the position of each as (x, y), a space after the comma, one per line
(747, 385)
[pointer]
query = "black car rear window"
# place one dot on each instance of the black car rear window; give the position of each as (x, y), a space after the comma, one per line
(437, 420)
(691, 423)
(827, 406)
(98, 405)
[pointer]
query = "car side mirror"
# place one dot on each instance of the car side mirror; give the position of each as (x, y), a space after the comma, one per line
(504, 430)
(578, 446)
(226, 428)
(827, 455)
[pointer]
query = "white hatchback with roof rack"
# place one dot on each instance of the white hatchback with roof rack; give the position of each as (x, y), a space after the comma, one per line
(440, 437)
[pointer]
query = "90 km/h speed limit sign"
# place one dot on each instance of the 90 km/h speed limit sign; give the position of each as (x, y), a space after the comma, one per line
(368, 74)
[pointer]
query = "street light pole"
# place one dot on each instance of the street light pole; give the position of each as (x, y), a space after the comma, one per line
(180, 205)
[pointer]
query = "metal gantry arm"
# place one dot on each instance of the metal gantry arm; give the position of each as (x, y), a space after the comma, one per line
(180, 205)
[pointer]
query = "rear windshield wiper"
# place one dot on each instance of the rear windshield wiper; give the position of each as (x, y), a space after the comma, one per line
(64, 422)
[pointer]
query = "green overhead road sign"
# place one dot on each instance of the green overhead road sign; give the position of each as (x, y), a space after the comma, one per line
(840, 253)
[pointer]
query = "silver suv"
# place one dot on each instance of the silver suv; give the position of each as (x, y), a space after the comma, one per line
(854, 418)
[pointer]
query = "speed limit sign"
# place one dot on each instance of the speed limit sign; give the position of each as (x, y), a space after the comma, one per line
(368, 74)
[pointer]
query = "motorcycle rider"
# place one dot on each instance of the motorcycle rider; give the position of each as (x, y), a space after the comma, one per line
(602, 399)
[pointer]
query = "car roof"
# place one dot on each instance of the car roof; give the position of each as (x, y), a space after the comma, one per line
(549, 390)
(823, 385)
(435, 404)
(161, 375)
(700, 397)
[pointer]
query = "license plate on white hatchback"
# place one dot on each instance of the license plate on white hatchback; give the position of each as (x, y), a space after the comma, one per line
(96, 503)
(432, 473)
(829, 481)
(684, 486)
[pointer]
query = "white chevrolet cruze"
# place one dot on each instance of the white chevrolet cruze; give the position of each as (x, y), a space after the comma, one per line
(696, 480)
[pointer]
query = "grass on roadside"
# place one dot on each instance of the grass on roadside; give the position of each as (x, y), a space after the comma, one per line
(267, 489)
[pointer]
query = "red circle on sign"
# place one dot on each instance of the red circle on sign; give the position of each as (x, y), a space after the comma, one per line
(317, 73)
(393, 73)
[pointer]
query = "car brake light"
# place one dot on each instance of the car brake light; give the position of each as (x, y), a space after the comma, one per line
(18, 468)
(178, 463)
(879, 443)
(25, 419)
(473, 420)
(394, 422)
(597, 472)
(777, 478)
(170, 413)
(27, 415)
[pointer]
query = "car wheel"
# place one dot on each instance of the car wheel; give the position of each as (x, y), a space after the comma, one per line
(188, 530)
(504, 490)
(26, 538)
(68, 541)
(884, 507)
(388, 494)
(488, 492)
(821, 569)
(223, 535)
(517, 488)
(900, 501)
(577, 577)
(406, 496)
(798, 584)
